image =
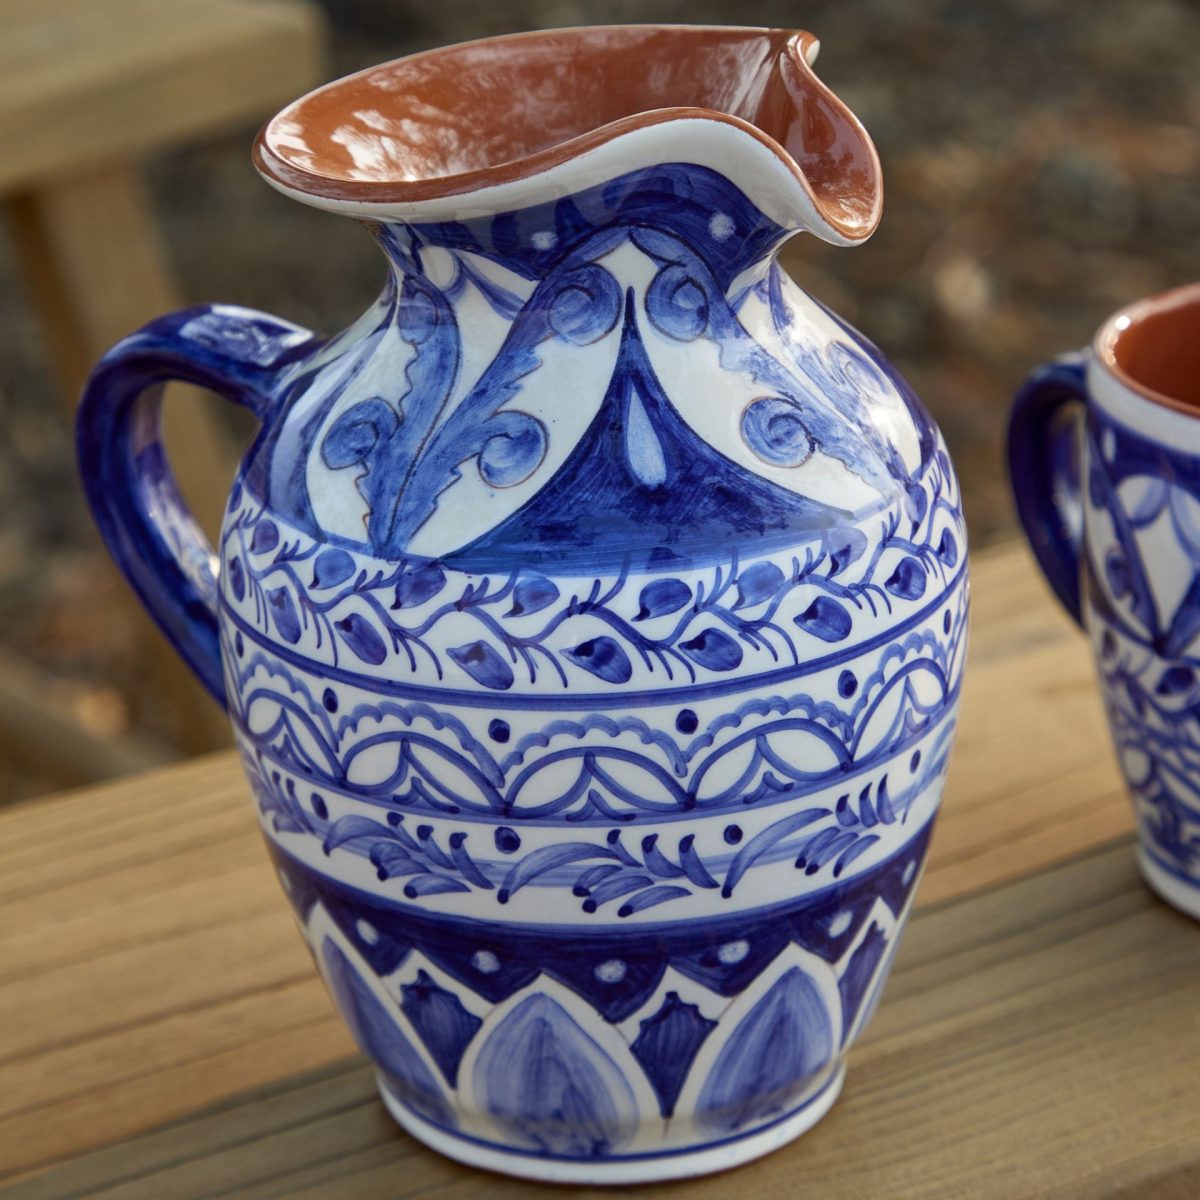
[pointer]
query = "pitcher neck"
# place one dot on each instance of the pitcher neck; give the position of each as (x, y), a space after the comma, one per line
(708, 216)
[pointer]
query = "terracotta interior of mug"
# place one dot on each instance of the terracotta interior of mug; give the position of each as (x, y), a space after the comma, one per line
(1154, 348)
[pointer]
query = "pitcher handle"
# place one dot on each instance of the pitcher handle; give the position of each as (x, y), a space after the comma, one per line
(1043, 467)
(149, 530)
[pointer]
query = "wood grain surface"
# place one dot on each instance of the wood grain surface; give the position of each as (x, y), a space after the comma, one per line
(85, 83)
(149, 970)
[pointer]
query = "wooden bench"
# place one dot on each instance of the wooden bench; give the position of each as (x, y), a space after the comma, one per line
(88, 88)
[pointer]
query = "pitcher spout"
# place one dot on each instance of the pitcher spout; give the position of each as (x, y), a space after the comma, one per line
(506, 123)
(834, 161)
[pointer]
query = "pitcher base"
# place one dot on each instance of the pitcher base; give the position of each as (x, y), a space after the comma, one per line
(1178, 892)
(644, 1168)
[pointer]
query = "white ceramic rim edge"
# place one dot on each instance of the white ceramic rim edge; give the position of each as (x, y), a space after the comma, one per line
(1138, 408)
(697, 141)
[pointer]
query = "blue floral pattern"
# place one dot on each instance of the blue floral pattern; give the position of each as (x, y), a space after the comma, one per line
(1144, 500)
(673, 654)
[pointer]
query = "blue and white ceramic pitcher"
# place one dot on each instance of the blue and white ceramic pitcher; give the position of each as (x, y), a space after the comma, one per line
(591, 614)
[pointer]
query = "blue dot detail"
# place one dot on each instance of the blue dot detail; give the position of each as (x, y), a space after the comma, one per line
(733, 834)
(330, 700)
(238, 645)
(847, 684)
(498, 730)
(687, 721)
(507, 840)
(946, 622)
(915, 761)
(320, 807)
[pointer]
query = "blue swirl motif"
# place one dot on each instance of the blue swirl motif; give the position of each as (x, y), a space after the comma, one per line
(1146, 643)
(574, 1048)
(660, 487)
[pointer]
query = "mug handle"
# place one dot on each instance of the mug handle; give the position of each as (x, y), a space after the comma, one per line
(1043, 468)
(149, 530)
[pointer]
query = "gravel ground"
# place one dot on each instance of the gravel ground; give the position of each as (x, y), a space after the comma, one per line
(1041, 162)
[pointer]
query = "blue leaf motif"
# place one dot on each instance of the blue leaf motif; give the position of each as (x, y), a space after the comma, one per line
(908, 579)
(550, 1086)
(844, 546)
(826, 618)
(442, 1022)
(667, 1044)
(361, 636)
(331, 568)
(484, 664)
(418, 583)
(347, 829)
(287, 619)
(859, 973)
(380, 1038)
(758, 583)
(604, 658)
(714, 649)
(549, 858)
(1176, 681)
(770, 1059)
(237, 578)
(532, 595)
(266, 537)
(948, 549)
(661, 597)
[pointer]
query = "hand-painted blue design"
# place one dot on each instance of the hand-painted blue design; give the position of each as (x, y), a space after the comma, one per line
(771, 1059)
(1147, 494)
(550, 1086)
(442, 1022)
(609, 693)
(240, 354)
(379, 1037)
(605, 783)
(608, 872)
(531, 595)
(602, 657)
(825, 923)
(827, 619)
(861, 970)
(482, 662)
(639, 479)
(667, 1044)
(661, 597)
(748, 604)
(774, 431)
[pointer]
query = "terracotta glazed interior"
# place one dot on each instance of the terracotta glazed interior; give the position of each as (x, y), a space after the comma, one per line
(452, 120)
(1157, 348)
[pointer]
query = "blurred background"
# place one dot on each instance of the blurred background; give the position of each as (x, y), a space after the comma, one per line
(1041, 161)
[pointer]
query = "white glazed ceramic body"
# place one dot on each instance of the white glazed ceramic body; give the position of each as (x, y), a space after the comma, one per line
(593, 615)
(1142, 538)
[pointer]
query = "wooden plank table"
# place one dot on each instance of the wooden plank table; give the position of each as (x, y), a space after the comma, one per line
(163, 1032)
